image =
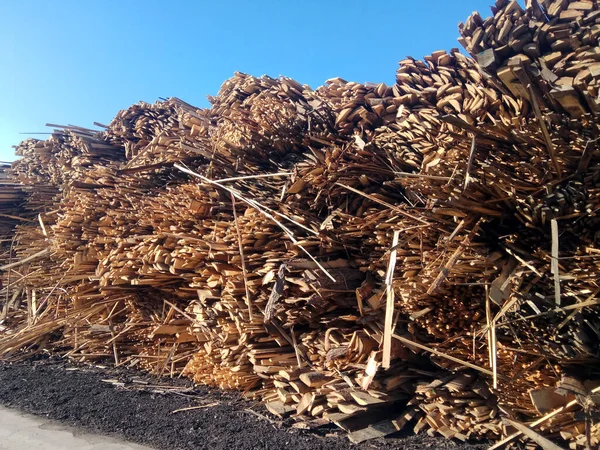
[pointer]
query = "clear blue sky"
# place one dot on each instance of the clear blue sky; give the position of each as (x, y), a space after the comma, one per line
(80, 61)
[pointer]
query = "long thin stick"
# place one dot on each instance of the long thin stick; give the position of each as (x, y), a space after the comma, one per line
(241, 247)
(410, 343)
(381, 202)
(25, 260)
(470, 163)
(545, 443)
(547, 138)
(491, 335)
(418, 175)
(539, 421)
(183, 313)
(389, 304)
(304, 227)
(445, 270)
(576, 306)
(554, 263)
(42, 225)
(8, 216)
(252, 177)
(191, 408)
(257, 206)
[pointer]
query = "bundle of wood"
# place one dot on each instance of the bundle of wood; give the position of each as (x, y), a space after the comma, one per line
(423, 254)
(551, 45)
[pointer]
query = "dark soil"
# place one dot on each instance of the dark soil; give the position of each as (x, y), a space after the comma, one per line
(140, 408)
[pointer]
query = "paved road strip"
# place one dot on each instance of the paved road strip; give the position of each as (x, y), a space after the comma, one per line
(20, 431)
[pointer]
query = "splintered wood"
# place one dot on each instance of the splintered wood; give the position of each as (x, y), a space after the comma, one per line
(421, 255)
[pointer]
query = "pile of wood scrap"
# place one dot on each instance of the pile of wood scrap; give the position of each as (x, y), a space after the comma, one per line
(420, 255)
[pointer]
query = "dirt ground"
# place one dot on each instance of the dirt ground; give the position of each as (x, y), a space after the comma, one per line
(140, 408)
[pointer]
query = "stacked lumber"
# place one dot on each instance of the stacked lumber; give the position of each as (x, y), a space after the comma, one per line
(551, 45)
(421, 255)
(152, 134)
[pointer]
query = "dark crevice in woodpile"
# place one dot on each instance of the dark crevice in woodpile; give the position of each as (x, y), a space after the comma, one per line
(420, 255)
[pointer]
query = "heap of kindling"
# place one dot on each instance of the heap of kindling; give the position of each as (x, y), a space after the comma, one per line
(424, 253)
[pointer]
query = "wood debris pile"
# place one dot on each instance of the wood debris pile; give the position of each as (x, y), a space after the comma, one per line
(419, 255)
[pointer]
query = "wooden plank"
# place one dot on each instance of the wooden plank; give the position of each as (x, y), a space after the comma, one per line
(555, 268)
(389, 305)
(569, 99)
